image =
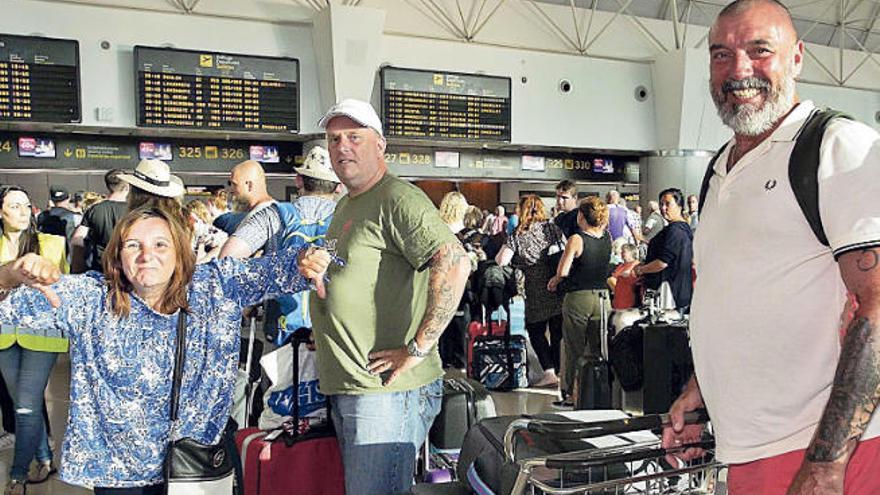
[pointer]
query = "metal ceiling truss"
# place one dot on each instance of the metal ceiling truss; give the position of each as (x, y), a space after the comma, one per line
(460, 25)
(185, 6)
(464, 19)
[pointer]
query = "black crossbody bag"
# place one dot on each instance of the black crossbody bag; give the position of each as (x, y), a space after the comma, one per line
(191, 467)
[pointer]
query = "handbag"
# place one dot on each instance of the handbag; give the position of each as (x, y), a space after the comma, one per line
(191, 467)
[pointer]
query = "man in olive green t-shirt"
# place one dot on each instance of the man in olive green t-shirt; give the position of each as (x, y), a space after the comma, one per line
(377, 326)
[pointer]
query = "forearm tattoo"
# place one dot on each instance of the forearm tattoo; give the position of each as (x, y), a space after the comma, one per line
(444, 293)
(854, 395)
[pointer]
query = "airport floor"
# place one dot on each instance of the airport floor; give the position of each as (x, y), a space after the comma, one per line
(516, 402)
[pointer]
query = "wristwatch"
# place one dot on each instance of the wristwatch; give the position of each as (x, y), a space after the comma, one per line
(413, 349)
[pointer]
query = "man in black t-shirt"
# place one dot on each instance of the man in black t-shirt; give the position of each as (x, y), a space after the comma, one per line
(566, 203)
(58, 219)
(93, 234)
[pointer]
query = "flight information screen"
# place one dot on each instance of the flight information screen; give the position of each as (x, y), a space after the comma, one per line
(219, 91)
(39, 79)
(424, 104)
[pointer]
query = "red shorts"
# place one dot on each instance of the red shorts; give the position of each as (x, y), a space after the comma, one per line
(773, 476)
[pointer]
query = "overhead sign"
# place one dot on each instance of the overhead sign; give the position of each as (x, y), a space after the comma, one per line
(218, 91)
(39, 79)
(422, 104)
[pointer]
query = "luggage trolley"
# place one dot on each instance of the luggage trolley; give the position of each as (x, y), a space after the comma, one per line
(628, 461)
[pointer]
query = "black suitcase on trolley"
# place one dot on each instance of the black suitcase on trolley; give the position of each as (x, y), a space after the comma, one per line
(483, 466)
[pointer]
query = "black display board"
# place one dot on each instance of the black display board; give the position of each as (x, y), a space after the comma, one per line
(216, 91)
(420, 104)
(39, 79)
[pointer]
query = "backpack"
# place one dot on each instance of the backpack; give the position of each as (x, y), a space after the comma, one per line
(803, 168)
(292, 312)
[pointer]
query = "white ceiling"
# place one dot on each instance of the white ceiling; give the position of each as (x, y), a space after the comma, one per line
(854, 23)
(817, 21)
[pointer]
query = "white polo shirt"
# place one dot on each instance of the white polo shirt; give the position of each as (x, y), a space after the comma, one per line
(766, 310)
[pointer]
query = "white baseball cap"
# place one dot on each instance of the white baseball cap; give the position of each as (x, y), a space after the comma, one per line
(359, 111)
(317, 166)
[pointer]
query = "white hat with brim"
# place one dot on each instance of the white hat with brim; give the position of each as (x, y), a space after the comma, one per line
(359, 111)
(317, 166)
(154, 176)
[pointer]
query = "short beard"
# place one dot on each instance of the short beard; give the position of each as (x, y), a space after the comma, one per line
(750, 120)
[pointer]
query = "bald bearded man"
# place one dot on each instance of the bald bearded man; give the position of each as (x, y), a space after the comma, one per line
(790, 385)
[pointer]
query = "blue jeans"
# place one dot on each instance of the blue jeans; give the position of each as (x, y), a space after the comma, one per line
(380, 434)
(26, 374)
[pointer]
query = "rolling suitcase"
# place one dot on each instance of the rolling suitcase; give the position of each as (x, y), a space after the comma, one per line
(667, 363)
(289, 461)
(501, 363)
(482, 329)
(592, 388)
(465, 401)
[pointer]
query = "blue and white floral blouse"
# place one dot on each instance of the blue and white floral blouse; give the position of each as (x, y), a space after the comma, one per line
(120, 384)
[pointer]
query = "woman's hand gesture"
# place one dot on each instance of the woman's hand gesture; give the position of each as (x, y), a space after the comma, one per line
(34, 271)
(312, 264)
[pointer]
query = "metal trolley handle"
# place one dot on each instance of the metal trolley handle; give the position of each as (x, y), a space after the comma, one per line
(587, 459)
(581, 430)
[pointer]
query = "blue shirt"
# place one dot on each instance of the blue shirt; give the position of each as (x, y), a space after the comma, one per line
(121, 368)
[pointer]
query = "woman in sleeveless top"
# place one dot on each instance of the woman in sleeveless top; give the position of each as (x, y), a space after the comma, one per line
(584, 268)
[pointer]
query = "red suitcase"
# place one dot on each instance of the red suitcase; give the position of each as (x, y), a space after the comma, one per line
(311, 465)
(303, 461)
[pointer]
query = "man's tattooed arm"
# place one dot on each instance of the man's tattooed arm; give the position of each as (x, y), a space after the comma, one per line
(450, 268)
(856, 389)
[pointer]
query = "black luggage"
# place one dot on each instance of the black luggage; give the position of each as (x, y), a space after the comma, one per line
(652, 361)
(593, 384)
(465, 402)
(484, 466)
(592, 387)
(668, 365)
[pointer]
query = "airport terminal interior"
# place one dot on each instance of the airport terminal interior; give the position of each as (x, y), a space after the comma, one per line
(497, 100)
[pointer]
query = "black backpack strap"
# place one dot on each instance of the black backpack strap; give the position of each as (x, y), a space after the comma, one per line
(710, 171)
(803, 167)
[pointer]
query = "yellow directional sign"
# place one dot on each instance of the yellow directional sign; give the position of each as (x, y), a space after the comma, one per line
(68, 153)
(80, 153)
(210, 152)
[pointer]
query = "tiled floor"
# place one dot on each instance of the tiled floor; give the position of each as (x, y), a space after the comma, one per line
(515, 402)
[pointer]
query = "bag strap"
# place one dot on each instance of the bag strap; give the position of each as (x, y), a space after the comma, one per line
(803, 167)
(179, 355)
(177, 378)
(707, 177)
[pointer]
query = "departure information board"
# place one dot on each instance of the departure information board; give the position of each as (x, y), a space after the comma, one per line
(445, 106)
(39, 79)
(217, 91)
